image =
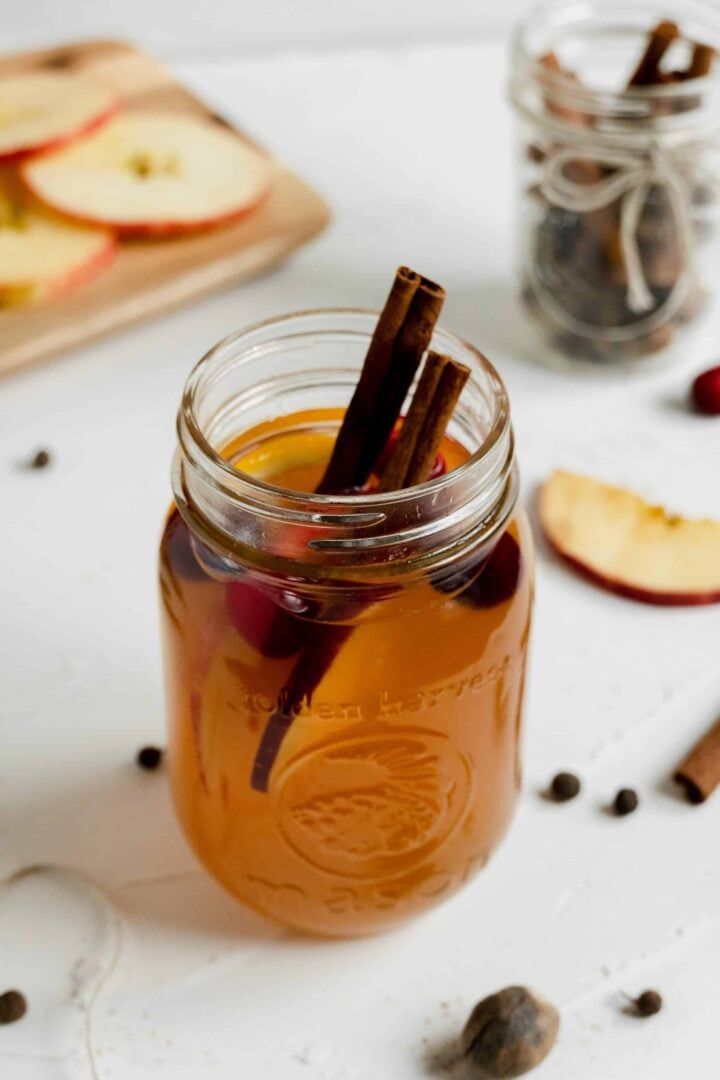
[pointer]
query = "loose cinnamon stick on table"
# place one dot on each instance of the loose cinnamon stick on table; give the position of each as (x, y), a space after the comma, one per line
(647, 73)
(699, 774)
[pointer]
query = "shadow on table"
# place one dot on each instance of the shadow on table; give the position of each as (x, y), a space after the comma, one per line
(441, 1058)
(119, 830)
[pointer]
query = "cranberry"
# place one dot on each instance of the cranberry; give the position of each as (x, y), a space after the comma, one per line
(492, 580)
(439, 467)
(706, 392)
(271, 627)
(179, 551)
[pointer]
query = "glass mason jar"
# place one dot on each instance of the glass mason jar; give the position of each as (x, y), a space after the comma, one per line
(619, 188)
(344, 673)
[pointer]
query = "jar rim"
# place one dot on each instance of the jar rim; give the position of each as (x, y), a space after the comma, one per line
(221, 467)
(566, 19)
(402, 531)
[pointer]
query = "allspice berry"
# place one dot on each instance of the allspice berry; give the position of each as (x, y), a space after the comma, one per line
(626, 802)
(13, 1006)
(510, 1033)
(40, 460)
(648, 1003)
(565, 786)
(149, 757)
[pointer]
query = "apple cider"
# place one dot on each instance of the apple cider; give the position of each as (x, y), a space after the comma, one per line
(344, 672)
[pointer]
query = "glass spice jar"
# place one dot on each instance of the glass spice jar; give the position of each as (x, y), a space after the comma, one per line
(619, 183)
(344, 673)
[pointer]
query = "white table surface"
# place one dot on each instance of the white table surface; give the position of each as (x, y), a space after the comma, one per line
(577, 903)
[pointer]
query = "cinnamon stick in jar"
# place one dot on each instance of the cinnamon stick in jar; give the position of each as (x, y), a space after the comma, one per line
(448, 390)
(648, 73)
(699, 774)
(565, 112)
(342, 467)
(422, 432)
(703, 58)
(393, 476)
(401, 337)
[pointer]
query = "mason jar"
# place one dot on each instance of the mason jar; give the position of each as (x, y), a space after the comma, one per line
(344, 673)
(619, 203)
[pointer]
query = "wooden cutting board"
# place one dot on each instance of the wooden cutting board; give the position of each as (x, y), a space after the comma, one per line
(152, 276)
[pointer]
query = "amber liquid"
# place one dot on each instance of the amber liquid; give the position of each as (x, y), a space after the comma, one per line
(397, 778)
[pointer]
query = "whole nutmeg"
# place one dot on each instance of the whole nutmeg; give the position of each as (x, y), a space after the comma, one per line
(510, 1033)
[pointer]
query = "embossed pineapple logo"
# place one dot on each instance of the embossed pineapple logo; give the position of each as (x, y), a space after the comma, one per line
(372, 806)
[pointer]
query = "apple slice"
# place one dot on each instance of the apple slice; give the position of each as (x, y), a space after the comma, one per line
(630, 547)
(43, 256)
(153, 174)
(46, 111)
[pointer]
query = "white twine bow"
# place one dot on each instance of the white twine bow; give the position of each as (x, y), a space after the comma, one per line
(633, 176)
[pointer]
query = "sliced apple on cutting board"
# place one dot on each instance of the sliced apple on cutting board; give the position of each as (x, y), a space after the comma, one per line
(629, 546)
(45, 111)
(43, 256)
(153, 174)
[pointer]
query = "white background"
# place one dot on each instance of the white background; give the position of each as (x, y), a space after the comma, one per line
(580, 904)
(192, 27)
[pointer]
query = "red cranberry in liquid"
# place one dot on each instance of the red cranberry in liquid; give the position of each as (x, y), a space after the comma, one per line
(275, 631)
(493, 582)
(179, 550)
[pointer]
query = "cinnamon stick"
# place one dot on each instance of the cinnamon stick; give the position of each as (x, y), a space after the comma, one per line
(699, 774)
(393, 476)
(703, 58)
(401, 337)
(409, 350)
(405, 351)
(324, 642)
(452, 379)
(648, 73)
(565, 112)
(701, 62)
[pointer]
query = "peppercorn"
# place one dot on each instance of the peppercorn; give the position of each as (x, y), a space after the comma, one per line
(648, 1003)
(626, 801)
(510, 1033)
(41, 460)
(149, 757)
(13, 1006)
(565, 786)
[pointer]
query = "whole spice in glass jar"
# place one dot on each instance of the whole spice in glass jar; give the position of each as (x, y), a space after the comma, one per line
(619, 113)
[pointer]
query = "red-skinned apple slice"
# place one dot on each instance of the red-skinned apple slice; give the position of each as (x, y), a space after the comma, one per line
(629, 546)
(43, 256)
(153, 174)
(45, 111)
